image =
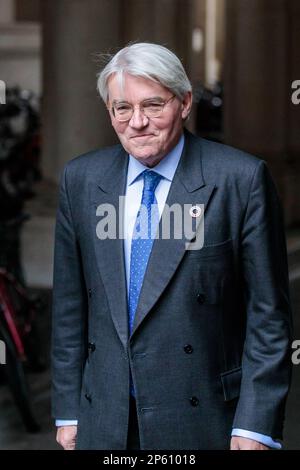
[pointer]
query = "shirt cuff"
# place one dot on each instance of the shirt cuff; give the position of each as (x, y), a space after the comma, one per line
(262, 438)
(66, 422)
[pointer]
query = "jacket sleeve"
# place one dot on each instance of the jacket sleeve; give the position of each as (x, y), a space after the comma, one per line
(266, 362)
(69, 313)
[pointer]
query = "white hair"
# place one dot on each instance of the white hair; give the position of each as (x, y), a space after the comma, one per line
(146, 60)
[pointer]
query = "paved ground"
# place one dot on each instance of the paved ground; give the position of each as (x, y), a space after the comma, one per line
(37, 255)
(12, 431)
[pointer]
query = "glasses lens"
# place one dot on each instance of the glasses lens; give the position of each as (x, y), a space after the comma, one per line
(122, 112)
(153, 109)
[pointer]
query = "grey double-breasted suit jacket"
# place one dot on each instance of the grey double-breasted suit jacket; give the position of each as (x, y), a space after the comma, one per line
(210, 348)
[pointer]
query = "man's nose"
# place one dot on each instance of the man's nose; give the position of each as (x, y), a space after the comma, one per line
(138, 119)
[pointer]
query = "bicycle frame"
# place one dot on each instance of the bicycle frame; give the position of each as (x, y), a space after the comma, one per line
(8, 310)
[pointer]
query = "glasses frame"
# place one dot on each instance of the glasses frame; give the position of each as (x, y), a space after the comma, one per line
(112, 109)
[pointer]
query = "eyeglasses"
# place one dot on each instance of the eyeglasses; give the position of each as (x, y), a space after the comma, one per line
(151, 108)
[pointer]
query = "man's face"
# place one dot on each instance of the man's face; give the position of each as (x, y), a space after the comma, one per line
(147, 139)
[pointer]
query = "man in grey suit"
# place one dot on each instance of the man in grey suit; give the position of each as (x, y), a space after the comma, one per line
(157, 346)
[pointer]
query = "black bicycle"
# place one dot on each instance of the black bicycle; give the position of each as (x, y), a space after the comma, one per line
(18, 330)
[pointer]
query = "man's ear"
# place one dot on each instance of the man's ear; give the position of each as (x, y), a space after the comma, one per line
(186, 105)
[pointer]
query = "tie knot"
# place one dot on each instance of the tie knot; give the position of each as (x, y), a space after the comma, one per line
(151, 180)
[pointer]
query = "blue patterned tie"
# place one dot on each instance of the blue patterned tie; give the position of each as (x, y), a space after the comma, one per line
(142, 240)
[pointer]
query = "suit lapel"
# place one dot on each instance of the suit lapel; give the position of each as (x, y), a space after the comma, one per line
(188, 187)
(110, 252)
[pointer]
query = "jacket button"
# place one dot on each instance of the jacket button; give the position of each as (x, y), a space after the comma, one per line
(194, 401)
(90, 293)
(91, 347)
(201, 298)
(188, 348)
(88, 397)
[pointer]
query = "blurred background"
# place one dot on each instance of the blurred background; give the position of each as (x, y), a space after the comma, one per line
(242, 57)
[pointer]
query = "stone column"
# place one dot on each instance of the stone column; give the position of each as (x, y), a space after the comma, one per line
(74, 118)
(257, 88)
(262, 60)
(7, 11)
(151, 21)
(256, 78)
(292, 175)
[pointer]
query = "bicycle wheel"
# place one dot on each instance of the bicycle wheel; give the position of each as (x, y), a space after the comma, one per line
(16, 379)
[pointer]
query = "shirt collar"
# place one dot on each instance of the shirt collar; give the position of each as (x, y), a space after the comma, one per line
(166, 167)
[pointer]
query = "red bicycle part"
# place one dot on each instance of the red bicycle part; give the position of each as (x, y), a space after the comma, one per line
(8, 313)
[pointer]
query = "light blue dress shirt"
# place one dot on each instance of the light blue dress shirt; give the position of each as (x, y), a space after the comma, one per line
(134, 189)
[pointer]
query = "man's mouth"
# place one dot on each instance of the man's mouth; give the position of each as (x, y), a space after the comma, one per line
(141, 136)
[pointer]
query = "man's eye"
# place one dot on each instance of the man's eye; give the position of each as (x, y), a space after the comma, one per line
(122, 108)
(152, 105)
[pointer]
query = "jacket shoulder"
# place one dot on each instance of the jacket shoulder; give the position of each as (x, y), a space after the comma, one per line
(221, 163)
(225, 166)
(228, 156)
(84, 167)
(101, 156)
